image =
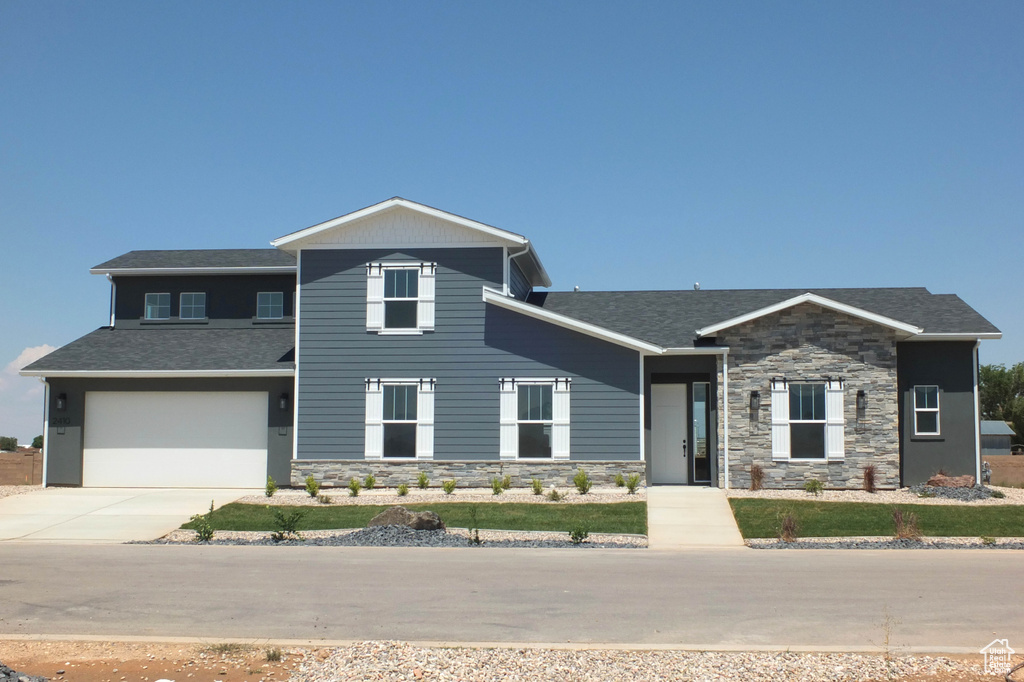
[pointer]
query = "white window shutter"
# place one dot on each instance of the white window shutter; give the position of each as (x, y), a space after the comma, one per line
(425, 305)
(508, 445)
(374, 297)
(780, 421)
(425, 420)
(560, 420)
(835, 420)
(374, 420)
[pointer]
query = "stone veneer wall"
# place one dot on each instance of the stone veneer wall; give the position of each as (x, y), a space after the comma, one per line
(807, 342)
(470, 474)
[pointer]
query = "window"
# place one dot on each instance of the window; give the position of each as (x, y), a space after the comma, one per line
(158, 306)
(400, 297)
(534, 419)
(926, 410)
(399, 418)
(270, 305)
(807, 419)
(192, 306)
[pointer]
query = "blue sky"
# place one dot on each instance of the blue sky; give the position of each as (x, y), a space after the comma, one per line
(639, 145)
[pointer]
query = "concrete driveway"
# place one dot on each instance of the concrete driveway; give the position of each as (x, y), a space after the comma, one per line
(98, 515)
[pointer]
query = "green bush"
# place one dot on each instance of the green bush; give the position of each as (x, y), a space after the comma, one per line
(287, 524)
(370, 482)
(312, 486)
(204, 525)
(632, 483)
(323, 499)
(449, 486)
(496, 487)
(271, 487)
(37, 442)
(555, 496)
(537, 486)
(620, 482)
(403, 490)
(354, 486)
(582, 482)
(998, 494)
(578, 534)
(813, 486)
(273, 655)
(8, 443)
(506, 482)
(423, 481)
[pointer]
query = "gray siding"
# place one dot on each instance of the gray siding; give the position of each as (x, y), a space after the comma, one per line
(473, 346)
(64, 450)
(950, 366)
(517, 282)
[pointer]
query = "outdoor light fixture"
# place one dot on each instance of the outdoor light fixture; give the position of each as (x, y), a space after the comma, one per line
(755, 401)
(862, 400)
(283, 402)
(62, 402)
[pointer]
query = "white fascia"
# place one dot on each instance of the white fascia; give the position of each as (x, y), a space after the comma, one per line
(817, 300)
(704, 350)
(497, 298)
(157, 374)
(504, 235)
(262, 270)
(956, 337)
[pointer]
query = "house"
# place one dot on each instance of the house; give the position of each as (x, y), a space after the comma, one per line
(402, 338)
(996, 437)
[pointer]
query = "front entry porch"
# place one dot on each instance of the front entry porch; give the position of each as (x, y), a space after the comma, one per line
(681, 421)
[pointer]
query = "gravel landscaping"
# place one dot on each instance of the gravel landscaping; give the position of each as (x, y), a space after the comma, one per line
(8, 490)
(947, 496)
(389, 496)
(888, 542)
(398, 661)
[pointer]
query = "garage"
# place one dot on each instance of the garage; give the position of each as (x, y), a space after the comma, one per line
(175, 439)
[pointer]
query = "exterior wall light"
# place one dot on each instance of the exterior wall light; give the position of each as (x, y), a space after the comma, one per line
(862, 400)
(283, 402)
(755, 401)
(62, 402)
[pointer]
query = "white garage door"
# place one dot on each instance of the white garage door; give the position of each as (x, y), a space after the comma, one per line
(175, 440)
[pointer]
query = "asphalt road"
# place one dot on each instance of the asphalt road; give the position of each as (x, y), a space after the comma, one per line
(934, 599)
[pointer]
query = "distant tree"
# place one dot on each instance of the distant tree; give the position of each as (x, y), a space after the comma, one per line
(37, 442)
(8, 443)
(1001, 393)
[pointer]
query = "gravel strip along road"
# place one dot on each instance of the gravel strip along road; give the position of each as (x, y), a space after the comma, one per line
(8, 490)
(901, 496)
(887, 542)
(398, 661)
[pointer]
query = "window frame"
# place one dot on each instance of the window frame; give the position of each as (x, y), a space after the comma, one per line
(509, 421)
(386, 271)
(550, 422)
(146, 305)
(937, 410)
(834, 421)
(377, 301)
(181, 305)
(376, 423)
(823, 421)
(269, 293)
(385, 421)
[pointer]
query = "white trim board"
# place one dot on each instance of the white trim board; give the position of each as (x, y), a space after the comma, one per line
(819, 301)
(158, 374)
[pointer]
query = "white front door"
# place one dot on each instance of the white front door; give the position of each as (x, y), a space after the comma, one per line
(669, 461)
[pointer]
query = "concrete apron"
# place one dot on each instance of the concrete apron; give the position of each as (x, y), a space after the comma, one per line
(681, 517)
(104, 515)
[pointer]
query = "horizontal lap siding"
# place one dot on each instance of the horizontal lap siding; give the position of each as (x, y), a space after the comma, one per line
(473, 345)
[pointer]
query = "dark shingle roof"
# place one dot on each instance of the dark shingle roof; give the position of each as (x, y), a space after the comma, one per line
(670, 318)
(169, 349)
(200, 258)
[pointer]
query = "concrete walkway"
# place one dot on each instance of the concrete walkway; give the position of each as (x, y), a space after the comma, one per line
(104, 515)
(681, 517)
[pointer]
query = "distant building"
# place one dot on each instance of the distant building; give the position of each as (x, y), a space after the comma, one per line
(996, 437)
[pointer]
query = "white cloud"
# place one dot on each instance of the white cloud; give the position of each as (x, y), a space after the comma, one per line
(27, 357)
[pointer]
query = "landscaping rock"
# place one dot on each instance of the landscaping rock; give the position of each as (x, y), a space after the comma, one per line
(9, 675)
(400, 516)
(941, 481)
(978, 492)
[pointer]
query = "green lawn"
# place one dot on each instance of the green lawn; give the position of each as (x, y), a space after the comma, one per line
(760, 518)
(618, 517)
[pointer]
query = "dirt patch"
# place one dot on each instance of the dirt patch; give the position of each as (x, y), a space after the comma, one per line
(146, 662)
(1007, 470)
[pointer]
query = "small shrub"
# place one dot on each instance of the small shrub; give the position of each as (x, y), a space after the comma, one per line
(273, 655)
(403, 490)
(554, 495)
(789, 529)
(323, 499)
(926, 493)
(8, 443)
(537, 486)
(905, 525)
(423, 481)
(620, 482)
(506, 482)
(756, 476)
(998, 494)
(582, 482)
(987, 540)
(632, 483)
(37, 442)
(474, 532)
(204, 525)
(449, 486)
(312, 486)
(869, 478)
(813, 486)
(287, 524)
(578, 534)
(271, 487)
(496, 487)
(370, 482)
(354, 486)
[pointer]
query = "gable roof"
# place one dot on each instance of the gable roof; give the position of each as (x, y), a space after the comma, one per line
(995, 427)
(671, 318)
(243, 261)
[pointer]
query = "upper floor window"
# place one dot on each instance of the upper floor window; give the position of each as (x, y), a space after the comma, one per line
(270, 305)
(400, 297)
(807, 419)
(192, 306)
(926, 410)
(158, 306)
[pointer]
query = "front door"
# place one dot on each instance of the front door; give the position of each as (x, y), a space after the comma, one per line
(669, 463)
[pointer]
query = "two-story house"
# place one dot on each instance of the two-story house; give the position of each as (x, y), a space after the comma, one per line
(401, 338)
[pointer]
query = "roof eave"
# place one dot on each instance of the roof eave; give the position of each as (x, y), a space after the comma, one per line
(245, 270)
(157, 374)
(958, 336)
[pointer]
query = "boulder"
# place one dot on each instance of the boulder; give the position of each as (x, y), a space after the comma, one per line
(400, 516)
(943, 481)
